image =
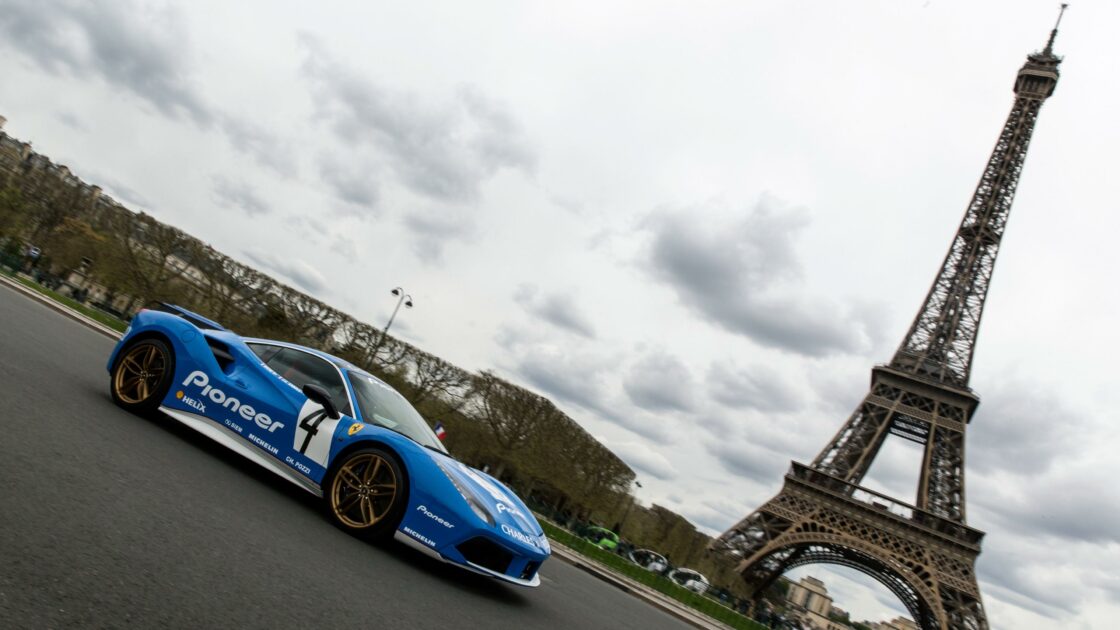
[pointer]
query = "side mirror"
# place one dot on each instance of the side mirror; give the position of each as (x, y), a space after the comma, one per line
(319, 395)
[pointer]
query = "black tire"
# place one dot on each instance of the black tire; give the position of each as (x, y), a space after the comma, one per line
(142, 375)
(365, 493)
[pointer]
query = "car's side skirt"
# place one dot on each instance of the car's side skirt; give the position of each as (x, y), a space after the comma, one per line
(400, 536)
(237, 444)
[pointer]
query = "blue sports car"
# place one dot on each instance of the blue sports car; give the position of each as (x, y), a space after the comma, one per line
(333, 430)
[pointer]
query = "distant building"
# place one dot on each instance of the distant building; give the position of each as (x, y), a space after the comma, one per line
(898, 623)
(811, 600)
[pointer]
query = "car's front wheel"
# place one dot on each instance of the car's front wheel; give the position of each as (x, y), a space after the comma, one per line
(366, 493)
(141, 375)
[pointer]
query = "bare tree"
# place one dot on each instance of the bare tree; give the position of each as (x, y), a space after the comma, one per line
(433, 380)
(232, 293)
(151, 256)
(512, 414)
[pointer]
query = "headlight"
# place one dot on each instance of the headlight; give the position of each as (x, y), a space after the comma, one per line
(468, 496)
(477, 508)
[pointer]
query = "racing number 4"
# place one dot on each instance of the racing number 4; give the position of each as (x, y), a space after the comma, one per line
(310, 424)
(314, 428)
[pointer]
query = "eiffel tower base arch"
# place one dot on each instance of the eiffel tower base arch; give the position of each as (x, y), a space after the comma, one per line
(931, 572)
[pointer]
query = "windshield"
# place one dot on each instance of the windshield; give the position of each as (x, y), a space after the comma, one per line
(381, 405)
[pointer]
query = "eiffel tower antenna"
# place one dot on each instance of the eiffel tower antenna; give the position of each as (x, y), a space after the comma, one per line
(924, 553)
(1054, 33)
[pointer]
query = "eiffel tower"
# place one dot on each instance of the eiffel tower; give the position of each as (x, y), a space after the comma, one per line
(924, 553)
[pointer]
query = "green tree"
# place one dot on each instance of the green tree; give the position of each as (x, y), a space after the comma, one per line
(13, 211)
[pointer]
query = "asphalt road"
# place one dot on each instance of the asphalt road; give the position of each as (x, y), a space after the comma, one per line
(112, 520)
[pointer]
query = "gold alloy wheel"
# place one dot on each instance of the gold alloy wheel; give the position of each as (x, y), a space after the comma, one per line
(364, 490)
(139, 373)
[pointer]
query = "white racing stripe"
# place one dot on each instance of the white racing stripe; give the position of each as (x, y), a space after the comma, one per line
(236, 443)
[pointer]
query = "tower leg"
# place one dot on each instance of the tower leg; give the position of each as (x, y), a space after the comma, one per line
(932, 575)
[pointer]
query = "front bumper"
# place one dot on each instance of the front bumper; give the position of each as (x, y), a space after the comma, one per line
(532, 581)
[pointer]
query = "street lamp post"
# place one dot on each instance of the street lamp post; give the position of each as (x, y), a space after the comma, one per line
(404, 299)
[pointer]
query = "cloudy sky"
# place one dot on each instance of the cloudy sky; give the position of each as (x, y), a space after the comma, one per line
(694, 225)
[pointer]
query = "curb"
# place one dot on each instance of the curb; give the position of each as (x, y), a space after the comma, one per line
(60, 308)
(637, 589)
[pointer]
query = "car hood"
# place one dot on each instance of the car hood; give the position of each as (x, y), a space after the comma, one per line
(506, 508)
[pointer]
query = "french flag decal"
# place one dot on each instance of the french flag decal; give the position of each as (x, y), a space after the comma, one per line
(440, 431)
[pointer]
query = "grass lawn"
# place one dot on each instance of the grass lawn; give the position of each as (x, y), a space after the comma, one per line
(623, 566)
(92, 313)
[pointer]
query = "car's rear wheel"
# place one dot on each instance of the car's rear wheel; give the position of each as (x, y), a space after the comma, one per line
(366, 492)
(141, 375)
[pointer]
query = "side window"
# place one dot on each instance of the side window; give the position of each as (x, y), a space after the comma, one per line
(300, 368)
(263, 351)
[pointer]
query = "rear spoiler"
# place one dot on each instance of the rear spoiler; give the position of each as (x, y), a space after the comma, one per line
(194, 318)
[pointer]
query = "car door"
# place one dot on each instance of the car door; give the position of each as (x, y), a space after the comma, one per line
(306, 444)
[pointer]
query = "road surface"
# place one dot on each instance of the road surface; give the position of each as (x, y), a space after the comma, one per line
(112, 520)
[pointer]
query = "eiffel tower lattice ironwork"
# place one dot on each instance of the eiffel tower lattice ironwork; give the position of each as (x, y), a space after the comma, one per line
(924, 553)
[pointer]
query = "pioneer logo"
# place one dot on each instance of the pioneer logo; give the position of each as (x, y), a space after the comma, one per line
(502, 507)
(434, 517)
(200, 379)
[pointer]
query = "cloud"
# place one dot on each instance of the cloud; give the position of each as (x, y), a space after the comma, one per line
(1021, 427)
(1030, 470)
(744, 275)
(576, 378)
(267, 149)
(1066, 505)
(434, 229)
(749, 459)
(1052, 578)
(72, 121)
(713, 516)
(298, 271)
(138, 49)
(309, 226)
(237, 195)
(644, 459)
(569, 376)
(351, 183)
(443, 151)
(660, 382)
(558, 309)
(498, 139)
(141, 50)
(753, 387)
(120, 192)
(346, 247)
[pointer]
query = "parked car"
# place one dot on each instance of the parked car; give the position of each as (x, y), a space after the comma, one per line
(692, 580)
(604, 538)
(649, 560)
